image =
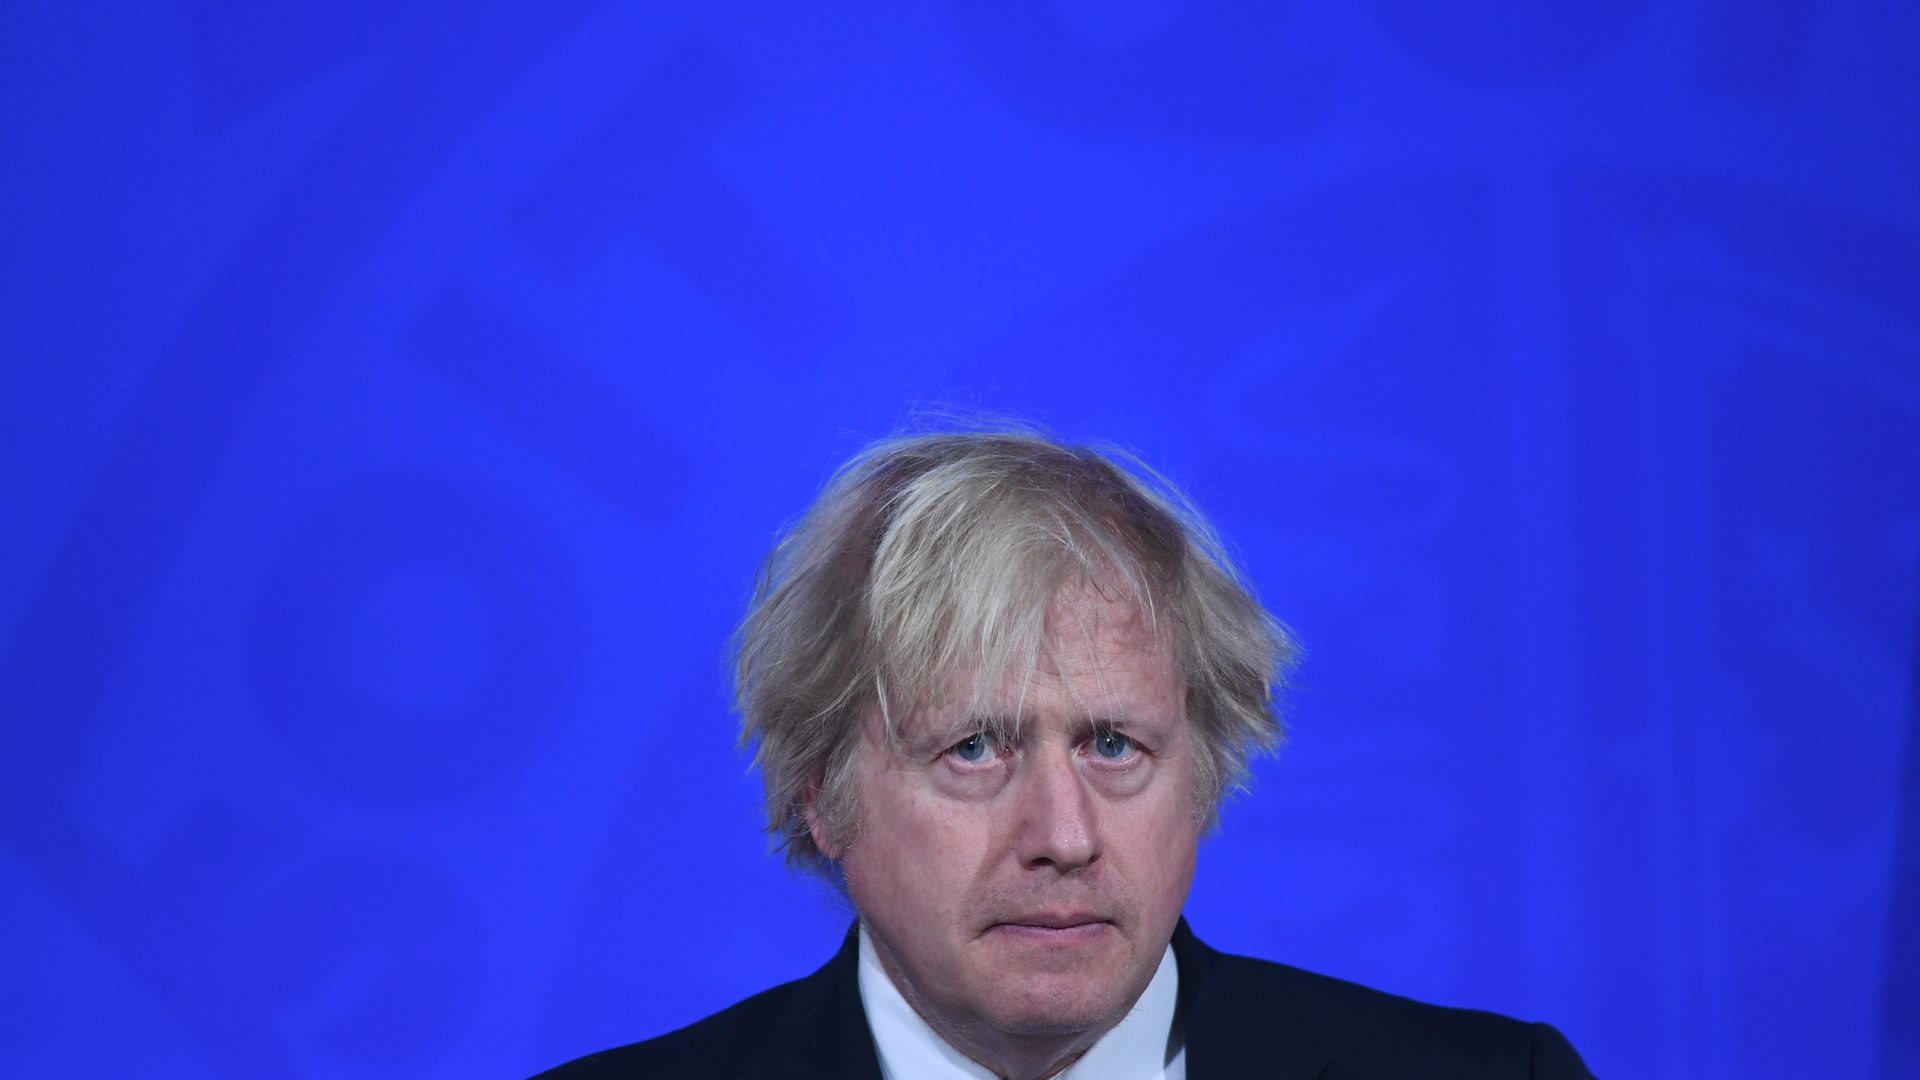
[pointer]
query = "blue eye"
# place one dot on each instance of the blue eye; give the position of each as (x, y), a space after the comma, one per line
(974, 748)
(1113, 746)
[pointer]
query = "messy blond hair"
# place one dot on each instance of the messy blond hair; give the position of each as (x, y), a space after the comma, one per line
(931, 554)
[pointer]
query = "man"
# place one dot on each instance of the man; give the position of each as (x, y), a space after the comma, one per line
(997, 686)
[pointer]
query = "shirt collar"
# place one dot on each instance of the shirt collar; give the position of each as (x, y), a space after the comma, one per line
(909, 1049)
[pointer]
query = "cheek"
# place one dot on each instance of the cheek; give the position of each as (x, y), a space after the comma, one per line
(913, 853)
(1173, 840)
(1168, 839)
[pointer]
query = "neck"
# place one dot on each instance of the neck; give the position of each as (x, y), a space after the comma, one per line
(1021, 1058)
(1008, 1056)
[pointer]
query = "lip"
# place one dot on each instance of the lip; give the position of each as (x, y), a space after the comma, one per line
(1076, 937)
(1054, 926)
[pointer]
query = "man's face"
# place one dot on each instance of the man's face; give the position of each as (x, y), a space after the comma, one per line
(1027, 888)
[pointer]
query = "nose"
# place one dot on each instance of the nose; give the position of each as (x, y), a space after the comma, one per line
(1059, 819)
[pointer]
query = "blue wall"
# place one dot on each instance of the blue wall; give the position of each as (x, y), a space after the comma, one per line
(397, 400)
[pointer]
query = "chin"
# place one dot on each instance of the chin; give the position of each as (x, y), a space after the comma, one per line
(1056, 1007)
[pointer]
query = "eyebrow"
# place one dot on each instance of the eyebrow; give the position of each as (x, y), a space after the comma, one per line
(940, 734)
(1007, 725)
(1086, 726)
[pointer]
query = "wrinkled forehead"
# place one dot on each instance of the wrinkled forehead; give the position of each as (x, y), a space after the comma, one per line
(1100, 647)
(1089, 628)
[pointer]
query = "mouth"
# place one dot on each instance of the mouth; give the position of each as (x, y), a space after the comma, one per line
(1060, 927)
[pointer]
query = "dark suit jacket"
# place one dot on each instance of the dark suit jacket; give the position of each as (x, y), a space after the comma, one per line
(1242, 1018)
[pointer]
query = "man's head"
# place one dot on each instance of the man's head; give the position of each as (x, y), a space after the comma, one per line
(1000, 684)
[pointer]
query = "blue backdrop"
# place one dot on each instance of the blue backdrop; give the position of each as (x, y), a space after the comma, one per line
(398, 398)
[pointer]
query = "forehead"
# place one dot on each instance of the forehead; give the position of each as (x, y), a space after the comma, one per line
(1091, 630)
(1099, 656)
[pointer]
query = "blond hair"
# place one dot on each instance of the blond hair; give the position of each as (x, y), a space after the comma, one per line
(931, 554)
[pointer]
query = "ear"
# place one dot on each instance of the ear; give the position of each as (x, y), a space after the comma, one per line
(817, 823)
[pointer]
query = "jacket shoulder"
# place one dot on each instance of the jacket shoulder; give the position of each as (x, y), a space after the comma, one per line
(713, 1045)
(1360, 1031)
(814, 1026)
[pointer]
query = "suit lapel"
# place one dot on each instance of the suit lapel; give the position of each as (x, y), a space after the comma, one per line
(1231, 1032)
(822, 1030)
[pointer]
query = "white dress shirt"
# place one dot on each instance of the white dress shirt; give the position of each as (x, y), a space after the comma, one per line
(1135, 1049)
